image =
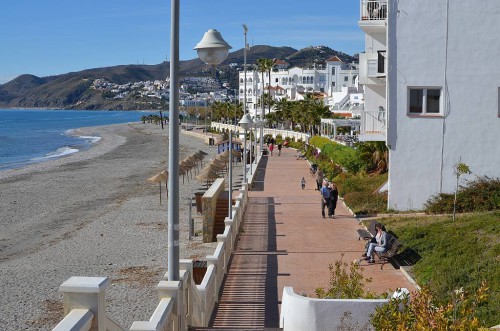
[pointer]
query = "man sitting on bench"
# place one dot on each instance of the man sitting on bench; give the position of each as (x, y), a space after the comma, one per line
(380, 245)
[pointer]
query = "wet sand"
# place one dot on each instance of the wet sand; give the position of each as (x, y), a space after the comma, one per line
(91, 214)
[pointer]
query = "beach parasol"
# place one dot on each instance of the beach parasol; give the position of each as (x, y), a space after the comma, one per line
(194, 160)
(187, 164)
(220, 164)
(212, 167)
(158, 178)
(207, 176)
(182, 171)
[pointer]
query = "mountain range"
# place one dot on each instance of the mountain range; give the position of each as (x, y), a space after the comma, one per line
(72, 90)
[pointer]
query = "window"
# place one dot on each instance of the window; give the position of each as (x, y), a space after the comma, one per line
(424, 101)
(333, 71)
(346, 79)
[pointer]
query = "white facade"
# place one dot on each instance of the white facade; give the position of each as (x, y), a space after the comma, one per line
(294, 82)
(430, 47)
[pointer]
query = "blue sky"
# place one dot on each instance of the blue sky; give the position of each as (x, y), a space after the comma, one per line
(52, 37)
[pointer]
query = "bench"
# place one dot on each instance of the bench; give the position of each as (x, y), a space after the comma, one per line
(369, 233)
(387, 256)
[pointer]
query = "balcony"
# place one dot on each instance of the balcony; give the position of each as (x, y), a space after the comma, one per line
(372, 68)
(373, 126)
(373, 15)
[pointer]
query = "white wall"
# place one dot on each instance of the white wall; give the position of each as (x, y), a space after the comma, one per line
(423, 150)
(374, 97)
(300, 313)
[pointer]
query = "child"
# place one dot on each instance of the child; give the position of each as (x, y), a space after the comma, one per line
(303, 183)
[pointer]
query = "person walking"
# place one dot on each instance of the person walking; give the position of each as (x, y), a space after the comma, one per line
(280, 145)
(334, 196)
(325, 198)
(303, 183)
(271, 148)
(319, 179)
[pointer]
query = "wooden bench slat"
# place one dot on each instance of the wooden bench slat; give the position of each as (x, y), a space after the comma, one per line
(388, 255)
(370, 232)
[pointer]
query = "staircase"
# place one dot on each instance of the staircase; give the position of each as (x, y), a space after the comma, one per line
(221, 212)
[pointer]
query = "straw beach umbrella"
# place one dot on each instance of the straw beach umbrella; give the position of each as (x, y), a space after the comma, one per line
(158, 178)
(207, 176)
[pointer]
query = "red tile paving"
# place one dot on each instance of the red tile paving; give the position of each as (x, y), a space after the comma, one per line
(286, 242)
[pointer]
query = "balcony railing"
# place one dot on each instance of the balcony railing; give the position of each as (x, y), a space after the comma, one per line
(373, 10)
(376, 67)
(373, 123)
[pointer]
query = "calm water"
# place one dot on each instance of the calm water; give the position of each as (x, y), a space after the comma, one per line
(31, 136)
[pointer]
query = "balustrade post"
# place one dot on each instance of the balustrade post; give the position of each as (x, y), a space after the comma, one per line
(173, 290)
(87, 293)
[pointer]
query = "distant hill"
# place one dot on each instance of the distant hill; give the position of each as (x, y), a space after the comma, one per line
(72, 90)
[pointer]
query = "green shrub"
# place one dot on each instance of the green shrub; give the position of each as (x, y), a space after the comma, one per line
(480, 194)
(346, 282)
(359, 192)
(345, 157)
(362, 203)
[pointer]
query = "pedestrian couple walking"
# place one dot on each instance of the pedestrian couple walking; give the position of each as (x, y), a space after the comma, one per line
(329, 197)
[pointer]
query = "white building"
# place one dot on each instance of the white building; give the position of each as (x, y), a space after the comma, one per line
(433, 65)
(336, 82)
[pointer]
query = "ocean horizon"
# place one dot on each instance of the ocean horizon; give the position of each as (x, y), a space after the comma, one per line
(29, 136)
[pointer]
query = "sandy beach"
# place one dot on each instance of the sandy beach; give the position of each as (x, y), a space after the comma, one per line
(91, 214)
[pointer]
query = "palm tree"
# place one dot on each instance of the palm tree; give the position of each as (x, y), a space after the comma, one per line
(266, 65)
(376, 155)
(262, 68)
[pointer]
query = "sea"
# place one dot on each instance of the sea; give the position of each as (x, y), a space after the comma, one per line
(33, 136)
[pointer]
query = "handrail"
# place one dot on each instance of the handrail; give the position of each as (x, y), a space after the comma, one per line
(160, 320)
(208, 293)
(76, 320)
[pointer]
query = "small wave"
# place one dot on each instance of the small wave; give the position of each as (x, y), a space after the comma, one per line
(63, 151)
(91, 139)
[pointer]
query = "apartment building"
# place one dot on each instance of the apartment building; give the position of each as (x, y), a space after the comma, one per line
(432, 87)
(334, 82)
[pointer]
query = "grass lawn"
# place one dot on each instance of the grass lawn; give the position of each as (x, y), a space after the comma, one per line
(455, 255)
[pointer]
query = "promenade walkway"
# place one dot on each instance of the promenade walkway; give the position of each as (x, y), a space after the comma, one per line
(286, 242)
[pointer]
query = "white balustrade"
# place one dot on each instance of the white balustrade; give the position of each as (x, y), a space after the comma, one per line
(182, 304)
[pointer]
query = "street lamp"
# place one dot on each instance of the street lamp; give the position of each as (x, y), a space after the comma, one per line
(210, 50)
(246, 123)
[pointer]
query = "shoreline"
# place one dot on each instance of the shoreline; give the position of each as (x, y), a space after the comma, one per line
(92, 213)
(108, 142)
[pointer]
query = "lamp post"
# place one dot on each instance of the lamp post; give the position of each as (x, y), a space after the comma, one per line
(245, 122)
(213, 50)
(258, 125)
(255, 125)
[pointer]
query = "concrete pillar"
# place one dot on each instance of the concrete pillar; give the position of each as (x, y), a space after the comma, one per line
(87, 293)
(173, 289)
